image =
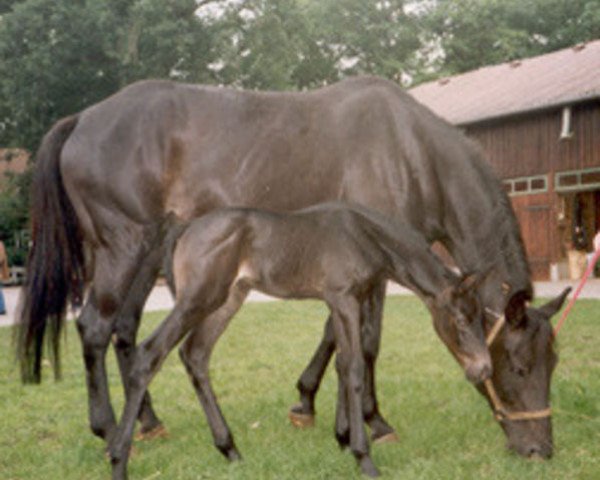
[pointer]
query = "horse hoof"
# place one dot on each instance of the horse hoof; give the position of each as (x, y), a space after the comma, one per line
(301, 420)
(157, 432)
(233, 455)
(391, 437)
(368, 468)
(133, 452)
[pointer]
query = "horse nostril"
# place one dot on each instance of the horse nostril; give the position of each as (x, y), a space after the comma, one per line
(479, 370)
(486, 371)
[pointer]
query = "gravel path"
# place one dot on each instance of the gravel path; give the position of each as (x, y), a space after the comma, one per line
(160, 298)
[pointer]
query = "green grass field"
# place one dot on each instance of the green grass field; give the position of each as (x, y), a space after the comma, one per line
(446, 429)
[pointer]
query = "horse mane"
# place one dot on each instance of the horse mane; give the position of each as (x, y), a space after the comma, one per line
(387, 233)
(502, 238)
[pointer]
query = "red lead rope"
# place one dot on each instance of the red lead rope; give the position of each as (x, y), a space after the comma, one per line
(586, 275)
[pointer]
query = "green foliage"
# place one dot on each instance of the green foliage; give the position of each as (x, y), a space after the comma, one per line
(164, 39)
(377, 38)
(446, 429)
(52, 63)
(58, 57)
(14, 202)
(269, 45)
(474, 33)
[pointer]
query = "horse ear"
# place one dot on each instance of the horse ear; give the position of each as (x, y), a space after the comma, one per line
(554, 305)
(515, 309)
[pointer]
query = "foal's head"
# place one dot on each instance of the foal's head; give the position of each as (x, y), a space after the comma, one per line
(458, 318)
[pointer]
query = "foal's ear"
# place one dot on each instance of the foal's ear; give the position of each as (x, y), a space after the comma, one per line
(554, 305)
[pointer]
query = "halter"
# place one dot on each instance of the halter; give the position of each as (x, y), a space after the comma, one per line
(500, 411)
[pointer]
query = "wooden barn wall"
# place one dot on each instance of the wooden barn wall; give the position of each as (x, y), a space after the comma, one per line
(531, 145)
(541, 234)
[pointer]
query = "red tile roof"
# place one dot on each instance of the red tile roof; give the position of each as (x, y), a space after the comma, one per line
(551, 80)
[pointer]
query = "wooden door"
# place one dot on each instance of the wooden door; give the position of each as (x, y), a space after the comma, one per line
(535, 218)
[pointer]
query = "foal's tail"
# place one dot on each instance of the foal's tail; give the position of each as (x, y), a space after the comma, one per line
(56, 265)
(175, 229)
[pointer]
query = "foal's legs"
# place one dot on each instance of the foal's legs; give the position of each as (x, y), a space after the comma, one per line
(302, 415)
(308, 384)
(372, 311)
(126, 330)
(149, 356)
(195, 354)
(350, 366)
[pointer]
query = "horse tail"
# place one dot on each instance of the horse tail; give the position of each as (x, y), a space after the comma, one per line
(175, 229)
(55, 265)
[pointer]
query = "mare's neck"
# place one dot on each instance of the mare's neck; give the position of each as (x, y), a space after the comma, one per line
(488, 238)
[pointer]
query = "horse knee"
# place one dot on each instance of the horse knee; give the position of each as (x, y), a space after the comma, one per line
(144, 365)
(124, 338)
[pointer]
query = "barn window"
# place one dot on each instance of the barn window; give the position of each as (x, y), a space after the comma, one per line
(521, 186)
(586, 179)
(526, 185)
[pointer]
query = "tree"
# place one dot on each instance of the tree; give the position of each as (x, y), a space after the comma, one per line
(59, 56)
(469, 34)
(53, 62)
(165, 39)
(268, 44)
(377, 37)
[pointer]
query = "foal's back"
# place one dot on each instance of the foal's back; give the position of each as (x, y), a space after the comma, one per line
(296, 255)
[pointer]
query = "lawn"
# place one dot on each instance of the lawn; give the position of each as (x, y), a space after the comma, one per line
(446, 429)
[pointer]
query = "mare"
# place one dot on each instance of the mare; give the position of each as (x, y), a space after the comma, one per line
(106, 177)
(329, 252)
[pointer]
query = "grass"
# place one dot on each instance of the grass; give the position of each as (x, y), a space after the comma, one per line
(445, 427)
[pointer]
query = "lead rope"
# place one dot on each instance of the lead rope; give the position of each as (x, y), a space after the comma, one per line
(569, 306)
(500, 412)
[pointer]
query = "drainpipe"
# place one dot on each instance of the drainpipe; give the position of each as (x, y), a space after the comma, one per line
(565, 131)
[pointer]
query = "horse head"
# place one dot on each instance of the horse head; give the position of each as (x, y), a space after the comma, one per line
(458, 318)
(523, 358)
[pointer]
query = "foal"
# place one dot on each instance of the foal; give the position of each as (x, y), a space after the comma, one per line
(330, 252)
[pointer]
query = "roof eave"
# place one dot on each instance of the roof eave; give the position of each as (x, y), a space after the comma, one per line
(529, 111)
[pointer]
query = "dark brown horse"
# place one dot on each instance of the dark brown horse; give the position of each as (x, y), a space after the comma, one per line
(330, 252)
(106, 177)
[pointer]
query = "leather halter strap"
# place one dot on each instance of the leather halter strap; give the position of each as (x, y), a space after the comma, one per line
(500, 411)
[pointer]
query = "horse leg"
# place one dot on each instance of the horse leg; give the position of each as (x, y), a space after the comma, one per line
(148, 358)
(372, 311)
(114, 272)
(126, 332)
(303, 414)
(95, 338)
(195, 354)
(350, 367)
(342, 426)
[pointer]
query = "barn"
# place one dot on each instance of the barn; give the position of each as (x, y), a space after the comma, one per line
(538, 121)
